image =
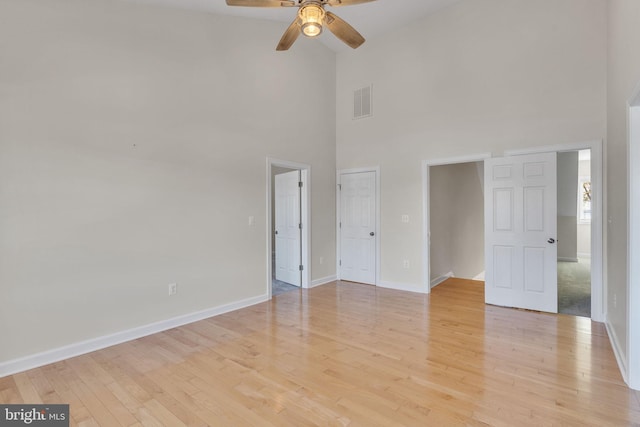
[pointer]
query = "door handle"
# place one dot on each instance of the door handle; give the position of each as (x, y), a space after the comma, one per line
(551, 240)
(276, 231)
(372, 234)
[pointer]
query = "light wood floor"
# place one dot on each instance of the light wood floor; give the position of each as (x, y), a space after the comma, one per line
(349, 354)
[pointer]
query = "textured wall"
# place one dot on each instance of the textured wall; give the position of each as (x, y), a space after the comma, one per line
(133, 146)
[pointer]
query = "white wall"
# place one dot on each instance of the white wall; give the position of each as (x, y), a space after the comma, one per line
(133, 145)
(457, 221)
(440, 218)
(623, 80)
(482, 75)
(567, 163)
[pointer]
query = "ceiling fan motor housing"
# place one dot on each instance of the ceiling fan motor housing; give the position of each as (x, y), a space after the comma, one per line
(311, 17)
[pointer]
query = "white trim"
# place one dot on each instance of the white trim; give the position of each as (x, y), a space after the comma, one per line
(618, 351)
(340, 172)
(584, 255)
(556, 148)
(633, 249)
(567, 259)
(323, 281)
(435, 282)
(408, 287)
(426, 220)
(472, 158)
(598, 284)
(61, 353)
(305, 177)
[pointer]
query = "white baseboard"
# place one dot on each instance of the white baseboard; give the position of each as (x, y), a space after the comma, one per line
(479, 277)
(323, 281)
(57, 354)
(584, 255)
(403, 287)
(435, 282)
(617, 351)
(566, 259)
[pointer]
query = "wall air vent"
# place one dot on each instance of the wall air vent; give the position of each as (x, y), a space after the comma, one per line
(363, 102)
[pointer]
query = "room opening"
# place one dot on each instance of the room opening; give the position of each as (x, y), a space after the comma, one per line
(456, 217)
(574, 233)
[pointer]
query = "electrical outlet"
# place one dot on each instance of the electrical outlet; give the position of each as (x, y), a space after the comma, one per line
(173, 289)
(252, 220)
(615, 300)
(405, 218)
(321, 260)
(405, 263)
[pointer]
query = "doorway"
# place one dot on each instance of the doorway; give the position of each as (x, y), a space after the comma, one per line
(288, 226)
(574, 233)
(597, 219)
(596, 225)
(287, 234)
(432, 216)
(457, 221)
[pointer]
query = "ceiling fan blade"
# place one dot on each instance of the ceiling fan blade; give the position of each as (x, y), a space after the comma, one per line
(289, 36)
(336, 3)
(261, 3)
(343, 31)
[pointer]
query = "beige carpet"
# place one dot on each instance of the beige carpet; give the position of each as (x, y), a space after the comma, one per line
(574, 288)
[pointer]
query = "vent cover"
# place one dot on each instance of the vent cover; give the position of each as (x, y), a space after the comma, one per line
(362, 102)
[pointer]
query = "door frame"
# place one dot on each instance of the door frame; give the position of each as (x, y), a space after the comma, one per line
(598, 285)
(376, 170)
(633, 251)
(426, 204)
(305, 217)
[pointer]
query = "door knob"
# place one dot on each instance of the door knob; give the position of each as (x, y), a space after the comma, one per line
(276, 231)
(551, 240)
(372, 234)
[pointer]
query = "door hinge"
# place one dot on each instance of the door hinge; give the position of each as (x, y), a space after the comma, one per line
(340, 263)
(340, 224)
(300, 226)
(340, 187)
(300, 184)
(301, 267)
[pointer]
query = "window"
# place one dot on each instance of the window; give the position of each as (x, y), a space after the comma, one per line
(584, 200)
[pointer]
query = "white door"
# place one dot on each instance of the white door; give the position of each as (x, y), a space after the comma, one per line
(520, 232)
(287, 231)
(358, 227)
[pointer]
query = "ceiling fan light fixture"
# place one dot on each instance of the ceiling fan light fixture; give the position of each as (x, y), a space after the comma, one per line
(311, 16)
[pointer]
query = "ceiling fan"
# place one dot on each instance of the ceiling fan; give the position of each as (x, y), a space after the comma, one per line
(310, 19)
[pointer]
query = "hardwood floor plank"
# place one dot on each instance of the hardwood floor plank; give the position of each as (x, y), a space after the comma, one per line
(26, 390)
(346, 354)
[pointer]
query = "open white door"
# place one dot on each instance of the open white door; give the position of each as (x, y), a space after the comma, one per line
(287, 231)
(520, 232)
(357, 227)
